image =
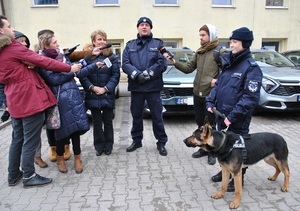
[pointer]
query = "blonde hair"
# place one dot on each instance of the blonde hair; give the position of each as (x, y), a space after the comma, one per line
(100, 32)
(45, 40)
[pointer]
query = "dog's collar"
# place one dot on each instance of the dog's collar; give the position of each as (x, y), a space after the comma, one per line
(221, 144)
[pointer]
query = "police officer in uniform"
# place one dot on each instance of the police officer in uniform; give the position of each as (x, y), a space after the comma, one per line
(237, 89)
(144, 65)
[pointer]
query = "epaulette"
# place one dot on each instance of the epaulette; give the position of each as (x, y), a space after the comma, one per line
(157, 39)
(252, 62)
(129, 41)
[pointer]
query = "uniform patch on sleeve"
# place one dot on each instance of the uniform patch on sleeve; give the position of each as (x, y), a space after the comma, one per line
(253, 86)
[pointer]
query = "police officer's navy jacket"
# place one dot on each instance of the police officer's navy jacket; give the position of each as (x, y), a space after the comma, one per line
(237, 90)
(142, 54)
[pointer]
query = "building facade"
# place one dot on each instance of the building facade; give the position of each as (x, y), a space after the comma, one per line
(275, 23)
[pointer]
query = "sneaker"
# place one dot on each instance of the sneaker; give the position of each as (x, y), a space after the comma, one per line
(36, 180)
(15, 181)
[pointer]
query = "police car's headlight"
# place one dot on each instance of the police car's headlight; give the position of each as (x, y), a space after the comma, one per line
(269, 85)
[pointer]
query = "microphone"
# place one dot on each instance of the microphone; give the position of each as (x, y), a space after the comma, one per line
(86, 58)
(70, 50)
(108, 45)
(163, 50)
(108, 60)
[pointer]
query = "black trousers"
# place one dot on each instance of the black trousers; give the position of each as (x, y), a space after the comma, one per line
(155, 105)
(103, 128)
(201, 112)
(60, 144)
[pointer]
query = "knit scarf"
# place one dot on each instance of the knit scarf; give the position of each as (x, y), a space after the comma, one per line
(54, 54)
(208, 46)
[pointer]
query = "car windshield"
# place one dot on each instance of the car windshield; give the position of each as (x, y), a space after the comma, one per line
(271, 58)
(294, 56)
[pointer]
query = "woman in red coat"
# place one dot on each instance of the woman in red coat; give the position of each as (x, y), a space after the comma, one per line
(27, 98)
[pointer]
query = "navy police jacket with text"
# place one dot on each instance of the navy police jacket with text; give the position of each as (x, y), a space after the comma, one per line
(237, 90)
(143, 54)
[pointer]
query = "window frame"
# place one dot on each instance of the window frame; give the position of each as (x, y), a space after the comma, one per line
(223, 5)
(166, 5)
(44, 5)
(107, 5)
(274, 6)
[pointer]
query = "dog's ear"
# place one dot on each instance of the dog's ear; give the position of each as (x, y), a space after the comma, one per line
(206, 120)
(206, 132)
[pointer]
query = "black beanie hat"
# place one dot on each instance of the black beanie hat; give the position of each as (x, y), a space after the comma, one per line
(19, 34)
(144, 20)
(243, 34)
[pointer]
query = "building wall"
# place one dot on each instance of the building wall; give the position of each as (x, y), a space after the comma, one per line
(74, 20)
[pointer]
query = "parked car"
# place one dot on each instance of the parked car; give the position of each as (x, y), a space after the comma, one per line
(281, 82)
(280, 87)
(293, 55)
(177, 94)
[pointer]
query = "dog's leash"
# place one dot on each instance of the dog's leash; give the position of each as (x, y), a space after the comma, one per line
(219, 114)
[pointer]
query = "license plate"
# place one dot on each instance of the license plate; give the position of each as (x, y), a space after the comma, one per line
(184, 101)
(298, 99)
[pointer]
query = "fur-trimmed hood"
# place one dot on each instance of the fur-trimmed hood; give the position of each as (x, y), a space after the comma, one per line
(4, 40)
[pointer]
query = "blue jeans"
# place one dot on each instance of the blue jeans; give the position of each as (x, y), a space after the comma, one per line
(2, 95)
(25, 140)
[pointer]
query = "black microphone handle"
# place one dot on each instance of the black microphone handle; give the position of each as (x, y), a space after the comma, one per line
(106, 46)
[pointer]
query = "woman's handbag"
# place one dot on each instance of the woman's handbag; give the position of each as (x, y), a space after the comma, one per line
(53, 116)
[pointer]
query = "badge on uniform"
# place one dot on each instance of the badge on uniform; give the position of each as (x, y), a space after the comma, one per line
(253, 86)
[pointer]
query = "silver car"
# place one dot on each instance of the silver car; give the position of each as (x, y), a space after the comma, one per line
(281, 82)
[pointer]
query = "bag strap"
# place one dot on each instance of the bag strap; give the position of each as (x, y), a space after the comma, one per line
(57, 98)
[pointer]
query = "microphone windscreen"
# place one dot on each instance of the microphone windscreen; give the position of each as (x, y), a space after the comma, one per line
(162, 50)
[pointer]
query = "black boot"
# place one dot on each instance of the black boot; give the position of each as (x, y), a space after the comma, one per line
(5, 116)
(200, 153)
(230, 187)
(218, 177)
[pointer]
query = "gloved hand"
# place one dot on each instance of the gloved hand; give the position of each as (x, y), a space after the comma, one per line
(5, 116)
(143, 77)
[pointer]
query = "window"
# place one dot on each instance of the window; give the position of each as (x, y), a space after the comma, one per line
(45, 2)
(166, 2)
(274, 45)
(107, 2)
(171, 43)
(274, 3)
(221, 2)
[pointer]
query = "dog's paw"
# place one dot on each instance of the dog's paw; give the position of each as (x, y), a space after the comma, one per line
(217, 195)
(272, 178)
(284, 188)
(235, 204)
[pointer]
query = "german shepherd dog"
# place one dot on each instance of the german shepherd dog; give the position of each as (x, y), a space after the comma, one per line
(268, 146)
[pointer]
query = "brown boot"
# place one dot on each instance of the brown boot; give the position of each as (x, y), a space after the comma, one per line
(78, 164)
(61, 164)
(52, 155)
(67, 153)
(39, 161)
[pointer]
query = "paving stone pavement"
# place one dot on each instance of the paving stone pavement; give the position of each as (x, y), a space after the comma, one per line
(144, 180)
